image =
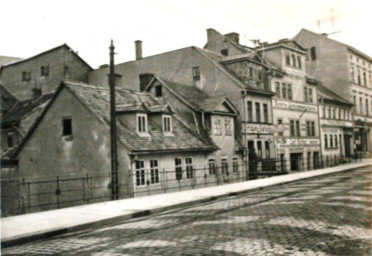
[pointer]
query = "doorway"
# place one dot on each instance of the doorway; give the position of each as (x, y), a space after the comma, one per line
(296, 160)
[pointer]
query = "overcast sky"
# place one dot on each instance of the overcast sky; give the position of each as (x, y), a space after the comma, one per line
(29, 27)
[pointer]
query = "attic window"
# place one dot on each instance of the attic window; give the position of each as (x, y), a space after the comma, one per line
(158, 91)
(141, 123)
(44, 71)
(167, 124)
(67, 126)
(196, 73)
(225, 52)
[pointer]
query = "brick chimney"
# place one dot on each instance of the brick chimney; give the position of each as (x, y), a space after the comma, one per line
(138, 44)
(233, 36)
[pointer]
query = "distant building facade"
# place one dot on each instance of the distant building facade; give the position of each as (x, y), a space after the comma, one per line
(347, 71)
(43, 72)
(336, 125)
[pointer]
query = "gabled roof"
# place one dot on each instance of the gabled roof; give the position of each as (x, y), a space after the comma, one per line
(192, 96)
(327, 94)
(7, 60)
(289, 43)
(45, 52)
(346, 45)
(22, 108)
(96, 100)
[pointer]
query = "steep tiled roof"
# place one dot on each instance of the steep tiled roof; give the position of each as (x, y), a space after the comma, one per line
(7, 100)
(193, 96)
(326, 93)
(22, 108)
(97, 100)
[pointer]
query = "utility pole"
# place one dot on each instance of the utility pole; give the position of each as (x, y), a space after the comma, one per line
(114, 153)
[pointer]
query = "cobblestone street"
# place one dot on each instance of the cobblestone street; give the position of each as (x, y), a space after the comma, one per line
(323, 216)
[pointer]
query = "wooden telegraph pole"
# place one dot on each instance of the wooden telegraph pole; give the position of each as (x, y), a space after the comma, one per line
(114, 153)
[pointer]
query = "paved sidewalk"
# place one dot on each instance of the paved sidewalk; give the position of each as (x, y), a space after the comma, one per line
(18, 229)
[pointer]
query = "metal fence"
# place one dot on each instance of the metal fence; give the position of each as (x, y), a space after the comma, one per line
(32, 194)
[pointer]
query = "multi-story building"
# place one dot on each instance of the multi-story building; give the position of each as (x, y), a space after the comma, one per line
(43, 72)
(217, 75)
(336, 125)
(347, 71)
(279, 67)
(295, 105)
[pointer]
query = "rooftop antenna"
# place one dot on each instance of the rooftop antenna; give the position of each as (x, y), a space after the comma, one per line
(327, 20)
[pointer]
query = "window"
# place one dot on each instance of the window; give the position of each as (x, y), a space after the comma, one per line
(306, 99)
(250, 111)
(287, 59)
(217, 126)
(341, 115)
(250, 72)
(178, 167)
(365, 78)
(292, 128)
(67, 126)
(227, 126)
(299, 63)
(9, 139)
(167, 124)
(267, 149)
(141, 123)
(325, 141)
(284, 91)
(158, 91)
(294, 60)
(310, 95)
(235, 165)
(140, 173)
(258, 112)
(154, 171)
(360, 105)
(225, 52)
(308, 160)
(367, 108)
(310, 128)
(352, 74)
(298, 128)
(44, 71)
(331, 141)
(212, 166)
(277, 89)
(359, 80)
(280, 122)
(259, 149)
(333, 113)
(324, 111)
(289, 88)
(313, 53)
(196, 73)
(26, 76)
(189, 168)
(224, 166)
(329, 112)
(336, 142)
(266, 114)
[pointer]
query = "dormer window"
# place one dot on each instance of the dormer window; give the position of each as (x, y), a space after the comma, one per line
(167, 124)
(158, 91)
(142, 123)
(196, 73)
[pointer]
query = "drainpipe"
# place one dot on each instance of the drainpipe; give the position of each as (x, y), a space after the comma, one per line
(114, 163)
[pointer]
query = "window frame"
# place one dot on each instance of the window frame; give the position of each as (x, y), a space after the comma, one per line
(196, 73)
(258, 111)
(189, 167)
(228, 126)
(154, 172)
(235, 164)
(140, 173)
(178, 168)
(169, 124)
(67, 129)
(212, 168)
(138, 121)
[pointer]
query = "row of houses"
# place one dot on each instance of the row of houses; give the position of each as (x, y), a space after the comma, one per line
(185, 118)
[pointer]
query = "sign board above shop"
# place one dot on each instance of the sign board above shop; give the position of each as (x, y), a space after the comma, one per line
(257, 129)
(294, 106)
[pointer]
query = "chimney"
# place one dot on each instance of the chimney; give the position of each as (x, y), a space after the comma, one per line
(233, 36)
(36, 93)
(138, 44)
(211, 35)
